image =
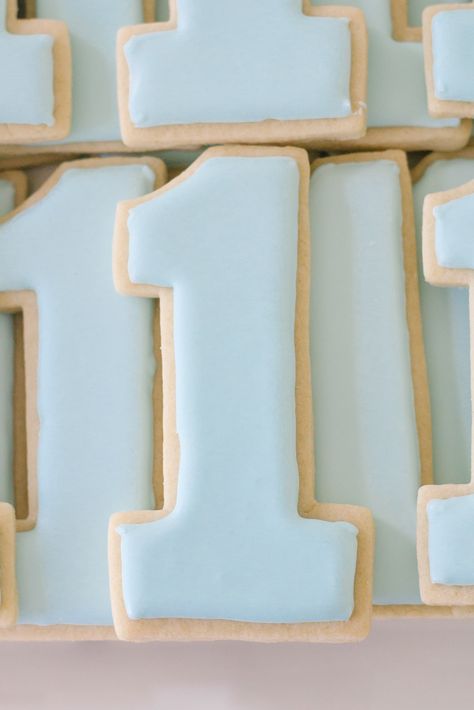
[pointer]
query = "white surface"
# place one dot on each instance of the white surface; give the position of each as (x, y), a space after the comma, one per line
(404, 665)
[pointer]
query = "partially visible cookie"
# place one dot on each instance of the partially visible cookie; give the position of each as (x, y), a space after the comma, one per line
(397, 109)
(12, 192)
(446, 513)
(223, 72)
(368, 366)
(448, 37)
(89, 372)
(35, 78)
(92, 26)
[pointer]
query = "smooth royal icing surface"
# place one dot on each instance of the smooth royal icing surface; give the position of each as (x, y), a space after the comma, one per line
(231, 62)
(93, 28)
(26, 76)
(7, 203)
(446, 333)
(234, 547)
(396, 88)
(95, 381)
(450, 536)
(454, 233)
(365, 427)
(453, 55)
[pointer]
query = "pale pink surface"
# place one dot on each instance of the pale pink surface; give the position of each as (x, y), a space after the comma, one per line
(409, 664)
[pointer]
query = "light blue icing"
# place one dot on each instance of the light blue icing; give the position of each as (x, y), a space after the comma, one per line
(451, 521)
(26, 76)
(396, 88)
(234, 547)
(450, 548)
(446, 333)
(7, 203)
(416, 7)
(365, 427)
(7, 196)
(240, 61)
(93, 27)
(95, 381)
(453, 55)
(454, 225)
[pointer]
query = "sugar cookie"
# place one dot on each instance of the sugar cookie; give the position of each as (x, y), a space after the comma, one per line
(89, 378)
(448, 37)
(397, 109)
(228, 555)
(92, 27)
(35, 78)
(446, 331)
(13, 186)
(446, 513)
(222, 72)
(370, 388)
(12, 193)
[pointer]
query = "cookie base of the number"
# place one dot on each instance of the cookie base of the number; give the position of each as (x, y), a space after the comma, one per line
(303, 133)
(356, 628)
(270, 132)
(69, 632)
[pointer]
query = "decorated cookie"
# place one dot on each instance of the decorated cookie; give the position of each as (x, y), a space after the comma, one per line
(396, 100)
(221, 72)
(368, 370)
(445, 315)
(12, 193)
(240, 549)
(90, 372)
(446, 513)
(35, 78)
(93, 27)
(448, 36)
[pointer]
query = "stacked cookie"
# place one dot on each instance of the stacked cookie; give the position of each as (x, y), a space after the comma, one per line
(225, 378)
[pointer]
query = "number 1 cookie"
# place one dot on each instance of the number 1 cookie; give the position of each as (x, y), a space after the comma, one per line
(35, 78)
(446, 512)
(240, 549)
(255, 72)
(89, 376)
